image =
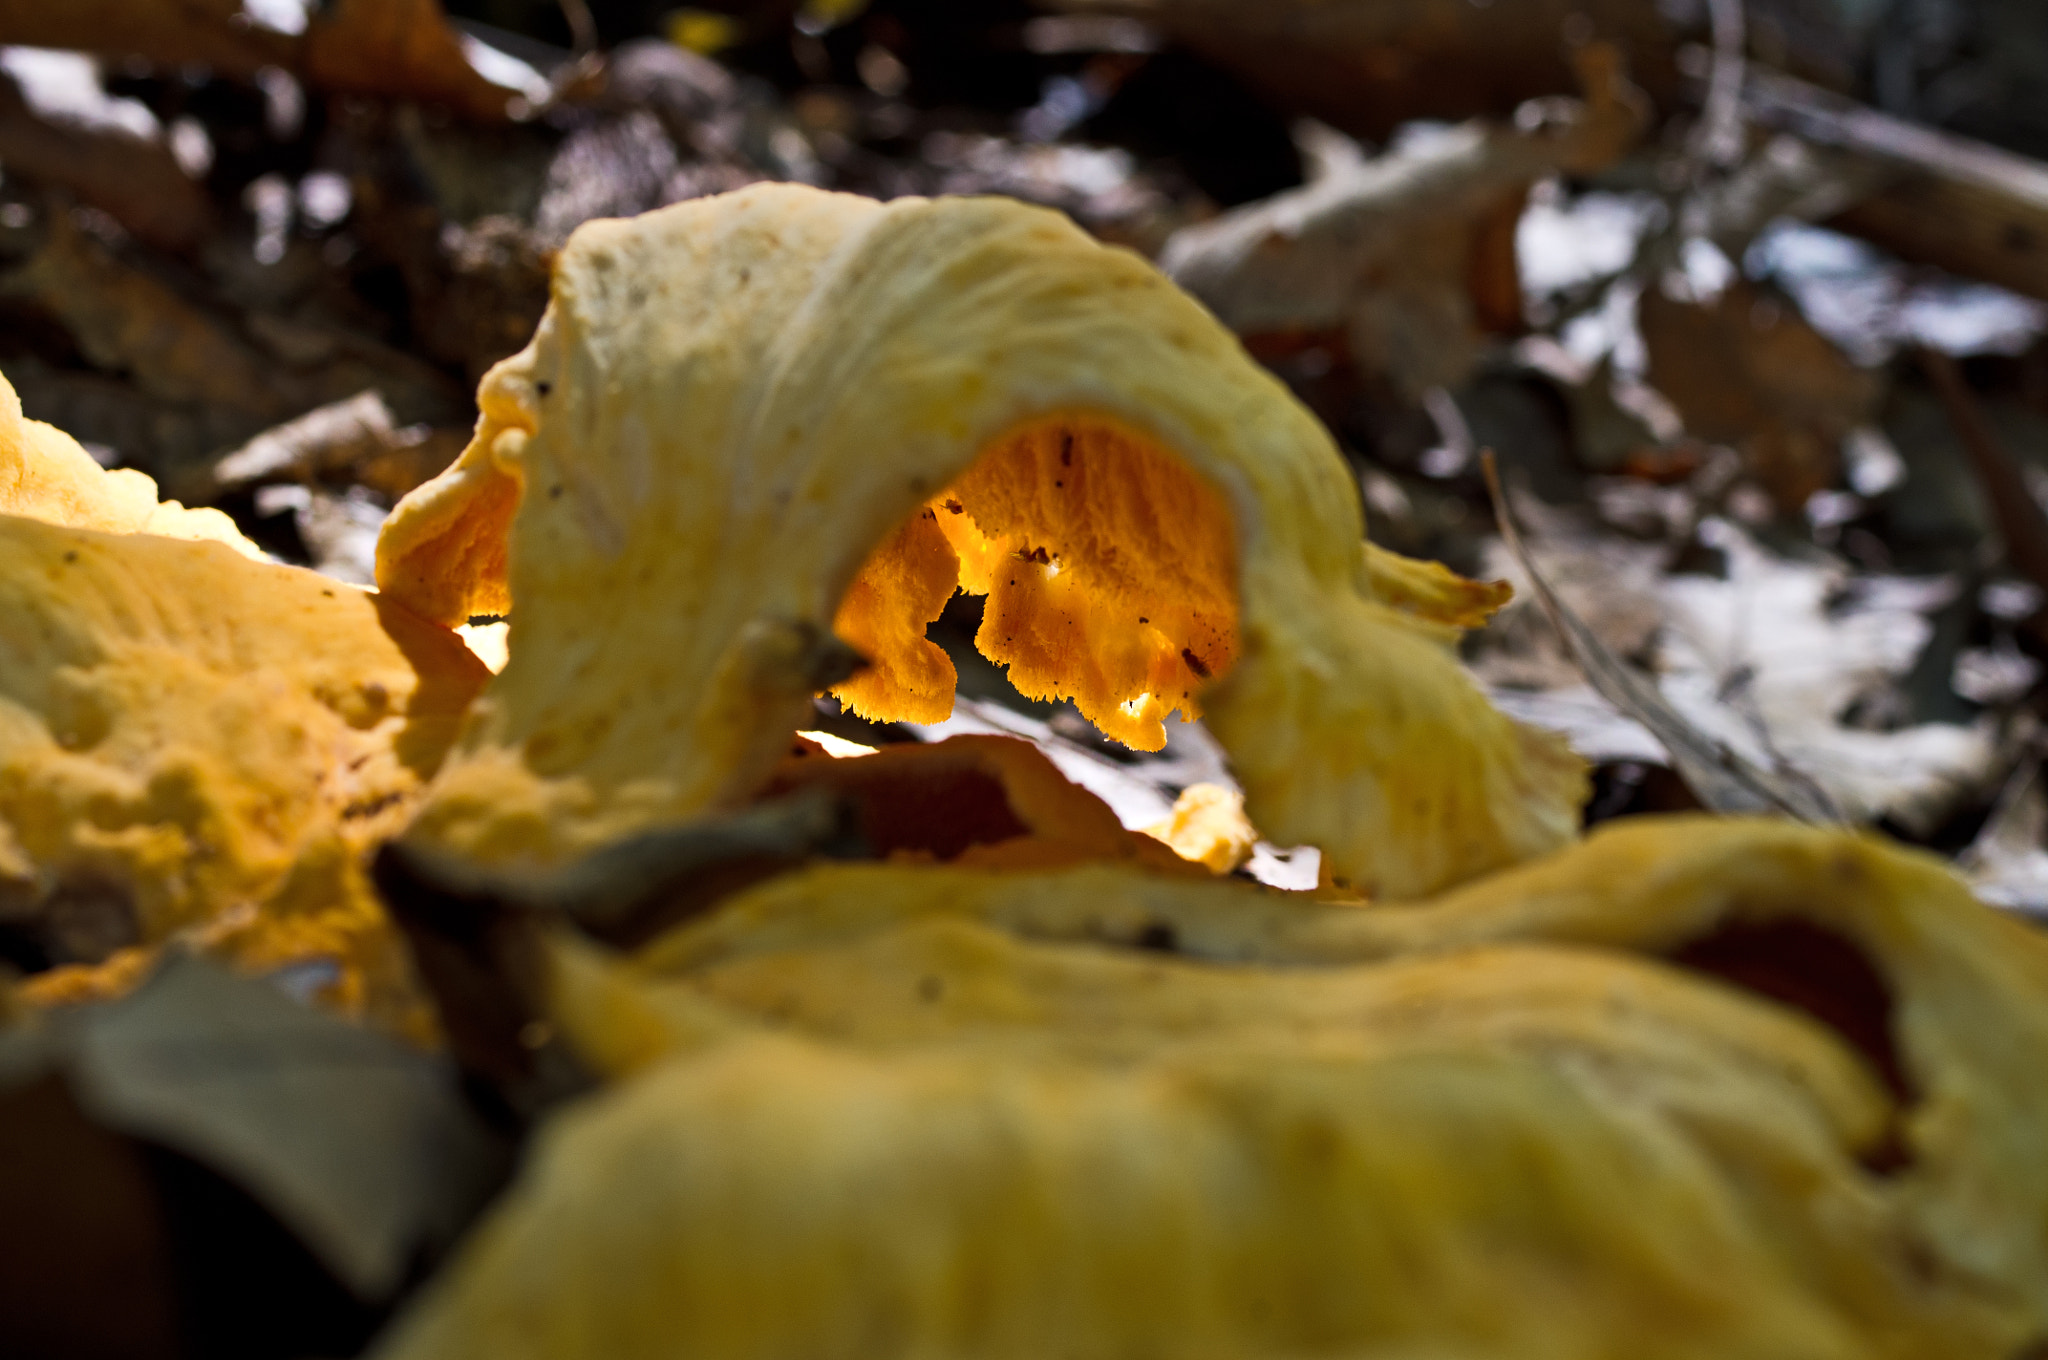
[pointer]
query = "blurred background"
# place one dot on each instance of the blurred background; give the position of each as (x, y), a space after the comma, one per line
(1746, 297)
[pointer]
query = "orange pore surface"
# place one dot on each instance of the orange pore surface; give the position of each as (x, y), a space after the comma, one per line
(1110, 573)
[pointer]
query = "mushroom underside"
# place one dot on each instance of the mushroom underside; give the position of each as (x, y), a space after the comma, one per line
(1109, 571)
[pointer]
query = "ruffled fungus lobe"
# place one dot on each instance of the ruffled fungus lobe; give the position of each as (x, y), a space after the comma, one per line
(205, 745)
(1554, 1112)
(1110, 574)
(732, 403)
(45, 474)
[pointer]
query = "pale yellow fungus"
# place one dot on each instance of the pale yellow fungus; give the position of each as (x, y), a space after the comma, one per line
(742, 425)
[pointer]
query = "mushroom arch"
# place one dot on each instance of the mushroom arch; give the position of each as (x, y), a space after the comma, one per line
(732, 402)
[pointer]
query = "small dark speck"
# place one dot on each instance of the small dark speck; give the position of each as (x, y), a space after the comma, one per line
(328, 593)
(931, 988)
(1195, 663)
(1160, 937)
(1066, 448)
(1144, 620)
(1013, 580)
(555, 491)
(1059, 483)
(956, 507)
(71, 557)
(543, 388)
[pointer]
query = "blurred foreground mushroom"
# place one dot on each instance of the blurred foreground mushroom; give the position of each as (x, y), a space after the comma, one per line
(1698, 1087)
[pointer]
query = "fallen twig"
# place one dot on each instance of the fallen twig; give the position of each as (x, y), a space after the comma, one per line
(1718, 776)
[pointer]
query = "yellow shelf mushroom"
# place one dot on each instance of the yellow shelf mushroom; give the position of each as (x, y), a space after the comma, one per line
(46, 474)
(1694, 1088)
(198, 745)
(749, 423)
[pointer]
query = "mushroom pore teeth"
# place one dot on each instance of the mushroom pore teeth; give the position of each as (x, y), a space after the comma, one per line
(1110, 574)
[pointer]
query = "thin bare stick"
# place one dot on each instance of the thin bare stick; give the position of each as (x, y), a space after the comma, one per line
(1719, 142)
(1719, 777)
(582, 27)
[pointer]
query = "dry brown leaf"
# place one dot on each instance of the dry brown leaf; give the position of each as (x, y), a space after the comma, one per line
(1745, 369)
(1408, 258)
(1367, 66)
(400, 48)
(137, 181)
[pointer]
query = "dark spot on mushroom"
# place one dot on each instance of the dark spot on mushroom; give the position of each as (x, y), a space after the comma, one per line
(369, 807)
(1195, 663)
(1811, 969)
(1059, 484)
(955, 507)
(543, 388)
(930, 988)
(1142, 619)
(555, 491)
(896, 803)
(328, 593)
(1158, 936)
(1066, 449)
(71, 556)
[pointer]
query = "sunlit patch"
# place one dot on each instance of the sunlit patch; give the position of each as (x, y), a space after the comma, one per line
(491, 642)
(838, 746)
(1110, 572)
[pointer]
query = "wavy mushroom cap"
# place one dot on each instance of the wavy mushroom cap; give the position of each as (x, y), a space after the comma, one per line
(45, 474)
(749, 422)
(203, 744)
(1692, 1088)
